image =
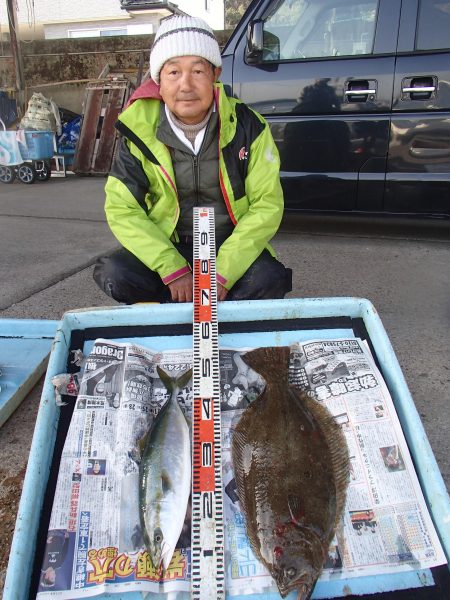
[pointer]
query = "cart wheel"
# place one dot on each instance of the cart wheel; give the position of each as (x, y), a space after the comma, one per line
(45, 172)
(7, 174)
(26, 173)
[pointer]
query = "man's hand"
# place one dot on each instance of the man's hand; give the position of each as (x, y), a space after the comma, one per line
(221, 292)
(181, 288)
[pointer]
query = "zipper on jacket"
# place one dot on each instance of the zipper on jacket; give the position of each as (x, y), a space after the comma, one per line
(196, 178)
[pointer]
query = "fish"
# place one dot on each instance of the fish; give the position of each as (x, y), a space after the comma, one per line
(165, 475)
(291, 466)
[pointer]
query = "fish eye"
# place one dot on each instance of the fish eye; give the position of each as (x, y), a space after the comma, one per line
(158, 537)
(291, 572)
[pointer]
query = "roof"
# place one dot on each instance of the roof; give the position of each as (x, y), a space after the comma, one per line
(132, 5)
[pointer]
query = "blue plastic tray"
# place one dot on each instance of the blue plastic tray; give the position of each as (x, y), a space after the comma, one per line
(110, 323)
(24, 348)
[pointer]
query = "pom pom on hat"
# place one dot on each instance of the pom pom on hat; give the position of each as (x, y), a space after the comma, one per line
(183, 36)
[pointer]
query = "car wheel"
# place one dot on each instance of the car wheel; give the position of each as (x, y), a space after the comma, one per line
(26, 173)
(7, 174)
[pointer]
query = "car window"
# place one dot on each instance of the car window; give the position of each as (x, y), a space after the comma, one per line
(299, 29)
(433, 30)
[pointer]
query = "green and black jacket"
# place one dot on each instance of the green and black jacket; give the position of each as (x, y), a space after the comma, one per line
(142, 206)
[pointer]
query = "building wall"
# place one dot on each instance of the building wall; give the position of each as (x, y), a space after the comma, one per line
(129, 26)
(212, 11)
(56, 17)
(47, 11)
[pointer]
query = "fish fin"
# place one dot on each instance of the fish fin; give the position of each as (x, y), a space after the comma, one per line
(166, 555)
(239, 451)
(189, 424)
(271, 363)
(168, 381)
(183, 379)
(242, 455)
(337, 445)
(295, 509)
(142, 443)
(166, 482)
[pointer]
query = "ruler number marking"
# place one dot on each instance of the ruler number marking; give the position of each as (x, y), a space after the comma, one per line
(207, 505)
(206, 409)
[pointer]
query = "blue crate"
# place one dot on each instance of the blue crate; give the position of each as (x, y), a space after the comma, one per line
(24, 348)
(242, 314)
(39, 145)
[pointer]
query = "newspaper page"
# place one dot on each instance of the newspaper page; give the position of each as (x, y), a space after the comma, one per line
(95, 543)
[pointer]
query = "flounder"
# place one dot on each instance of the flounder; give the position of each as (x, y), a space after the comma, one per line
(291, 467)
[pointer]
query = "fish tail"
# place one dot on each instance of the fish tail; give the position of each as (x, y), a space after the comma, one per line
(271, 363)
(174, 382)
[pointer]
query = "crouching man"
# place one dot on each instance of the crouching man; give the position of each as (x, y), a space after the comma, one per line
(185, 143)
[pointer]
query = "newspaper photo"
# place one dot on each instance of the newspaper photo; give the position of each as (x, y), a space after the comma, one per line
(95, 543)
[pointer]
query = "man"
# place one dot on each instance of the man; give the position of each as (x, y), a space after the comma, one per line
(186, 143)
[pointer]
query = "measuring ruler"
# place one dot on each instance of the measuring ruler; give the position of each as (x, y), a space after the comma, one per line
(207, 544)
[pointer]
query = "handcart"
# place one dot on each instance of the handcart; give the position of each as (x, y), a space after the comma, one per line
(25, 154)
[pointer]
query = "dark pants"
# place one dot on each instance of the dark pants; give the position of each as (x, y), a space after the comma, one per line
(126, 279)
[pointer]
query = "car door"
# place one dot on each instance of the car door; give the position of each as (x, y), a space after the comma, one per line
(324, 82)
(418, 171)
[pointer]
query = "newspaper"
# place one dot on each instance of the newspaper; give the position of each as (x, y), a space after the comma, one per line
(95, 543)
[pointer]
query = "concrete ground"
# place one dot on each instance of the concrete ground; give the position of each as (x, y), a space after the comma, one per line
(52, 232)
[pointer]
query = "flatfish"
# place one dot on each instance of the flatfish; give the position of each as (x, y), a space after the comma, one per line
(165, 476)
(291, 467)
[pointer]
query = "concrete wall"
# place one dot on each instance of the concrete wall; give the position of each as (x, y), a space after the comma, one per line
(52, 61)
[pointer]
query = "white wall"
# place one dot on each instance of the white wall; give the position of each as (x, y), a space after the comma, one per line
(69, 10)
(212, 11)
(54, 13)
(136, 26)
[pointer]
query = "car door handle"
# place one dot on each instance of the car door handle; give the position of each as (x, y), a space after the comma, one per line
(359, 92)
(429, 152)
(419, 88)
(407, 90)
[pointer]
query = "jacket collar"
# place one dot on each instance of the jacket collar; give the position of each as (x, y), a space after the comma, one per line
(143, 108)
(149, 89)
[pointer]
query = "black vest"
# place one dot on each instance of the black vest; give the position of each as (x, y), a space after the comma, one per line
(196, 176)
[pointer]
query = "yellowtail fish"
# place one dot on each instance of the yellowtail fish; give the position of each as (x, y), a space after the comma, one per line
(165, 475)
(291, 467)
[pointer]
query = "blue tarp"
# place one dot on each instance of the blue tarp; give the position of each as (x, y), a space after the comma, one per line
(8, 109)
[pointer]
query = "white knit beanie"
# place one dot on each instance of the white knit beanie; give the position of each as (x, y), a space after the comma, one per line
(183, 36)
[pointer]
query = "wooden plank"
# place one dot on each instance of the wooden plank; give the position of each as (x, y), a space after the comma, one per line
(108, 135)
(88, 133)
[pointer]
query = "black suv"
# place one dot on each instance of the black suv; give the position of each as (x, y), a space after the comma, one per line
(357, 93)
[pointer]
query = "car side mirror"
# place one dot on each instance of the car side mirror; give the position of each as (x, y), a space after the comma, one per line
(261, 45)
(255, 41)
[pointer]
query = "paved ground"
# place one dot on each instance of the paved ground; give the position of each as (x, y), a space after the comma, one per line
(51, 233)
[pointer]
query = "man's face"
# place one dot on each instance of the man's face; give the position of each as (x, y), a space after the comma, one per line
(186, 86)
